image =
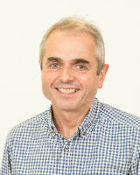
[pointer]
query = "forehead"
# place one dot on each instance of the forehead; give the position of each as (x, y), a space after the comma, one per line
(72, 33)
(70, 44)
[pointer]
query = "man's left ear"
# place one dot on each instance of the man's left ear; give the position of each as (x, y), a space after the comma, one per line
(102, 75)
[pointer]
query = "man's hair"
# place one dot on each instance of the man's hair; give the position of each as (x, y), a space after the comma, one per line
(79, 25)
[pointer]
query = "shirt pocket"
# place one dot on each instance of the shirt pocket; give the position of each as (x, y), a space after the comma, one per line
(105, 169)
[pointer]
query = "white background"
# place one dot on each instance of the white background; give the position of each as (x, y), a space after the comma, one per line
(22, 25)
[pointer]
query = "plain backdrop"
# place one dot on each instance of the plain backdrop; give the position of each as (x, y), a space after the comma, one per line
(22, 25)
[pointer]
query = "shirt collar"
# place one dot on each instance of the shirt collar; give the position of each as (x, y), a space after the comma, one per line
(90, 119)
(50, 121)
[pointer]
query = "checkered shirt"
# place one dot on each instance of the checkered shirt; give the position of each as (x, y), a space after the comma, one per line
(106, 143)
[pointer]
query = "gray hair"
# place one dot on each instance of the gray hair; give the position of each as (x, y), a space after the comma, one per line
(80, 25)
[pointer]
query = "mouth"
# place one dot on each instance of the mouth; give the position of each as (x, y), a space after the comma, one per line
(68, 90)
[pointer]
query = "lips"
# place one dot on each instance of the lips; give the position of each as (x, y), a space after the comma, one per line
(68, 90)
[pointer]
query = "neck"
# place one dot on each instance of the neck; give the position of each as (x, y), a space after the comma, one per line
(67, 122)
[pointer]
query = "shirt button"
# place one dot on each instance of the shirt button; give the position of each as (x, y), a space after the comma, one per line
(65, 150)
(53, 131)
(84, 133)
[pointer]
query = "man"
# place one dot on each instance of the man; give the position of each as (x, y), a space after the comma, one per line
(78, 134)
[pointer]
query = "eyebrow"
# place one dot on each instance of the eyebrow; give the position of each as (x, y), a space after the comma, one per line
(53, 59)
(81, 60)
(76, 60)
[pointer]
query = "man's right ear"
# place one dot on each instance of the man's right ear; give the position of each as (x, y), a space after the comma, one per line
(40, 63)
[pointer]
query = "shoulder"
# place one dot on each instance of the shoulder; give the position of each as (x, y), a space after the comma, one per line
(32, 122)
(114, 115)
(28, 129)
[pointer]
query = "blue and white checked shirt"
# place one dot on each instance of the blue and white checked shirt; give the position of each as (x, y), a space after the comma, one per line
(106, 143)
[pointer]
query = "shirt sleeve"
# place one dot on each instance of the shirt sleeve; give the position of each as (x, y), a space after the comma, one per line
(139, 167)
(6, 161)
(6, 164)
(135, 169)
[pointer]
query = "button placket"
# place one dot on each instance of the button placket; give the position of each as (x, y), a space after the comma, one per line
(65, 149)
(85, 133)
(66, 146)
(53, 131)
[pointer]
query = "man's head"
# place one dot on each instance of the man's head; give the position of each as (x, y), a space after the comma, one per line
(71, 70)
(81, 26)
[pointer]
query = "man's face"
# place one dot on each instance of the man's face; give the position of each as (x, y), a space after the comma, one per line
(69, 70)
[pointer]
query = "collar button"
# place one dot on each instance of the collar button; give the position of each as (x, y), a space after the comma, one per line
(84, 133)
(65, 150)
(53, 131)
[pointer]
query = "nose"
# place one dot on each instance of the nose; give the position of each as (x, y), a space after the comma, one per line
(66, 74)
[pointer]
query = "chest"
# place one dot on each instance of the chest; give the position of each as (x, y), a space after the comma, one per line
(101, 152)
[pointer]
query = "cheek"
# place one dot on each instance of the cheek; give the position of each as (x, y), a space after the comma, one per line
(90, 81)
(93, 85)
(47, 79)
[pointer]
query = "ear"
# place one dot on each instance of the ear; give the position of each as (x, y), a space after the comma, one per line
(102, 75)
(40, 63)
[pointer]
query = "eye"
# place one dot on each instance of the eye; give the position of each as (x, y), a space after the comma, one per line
(54, 65)
(81, 67)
